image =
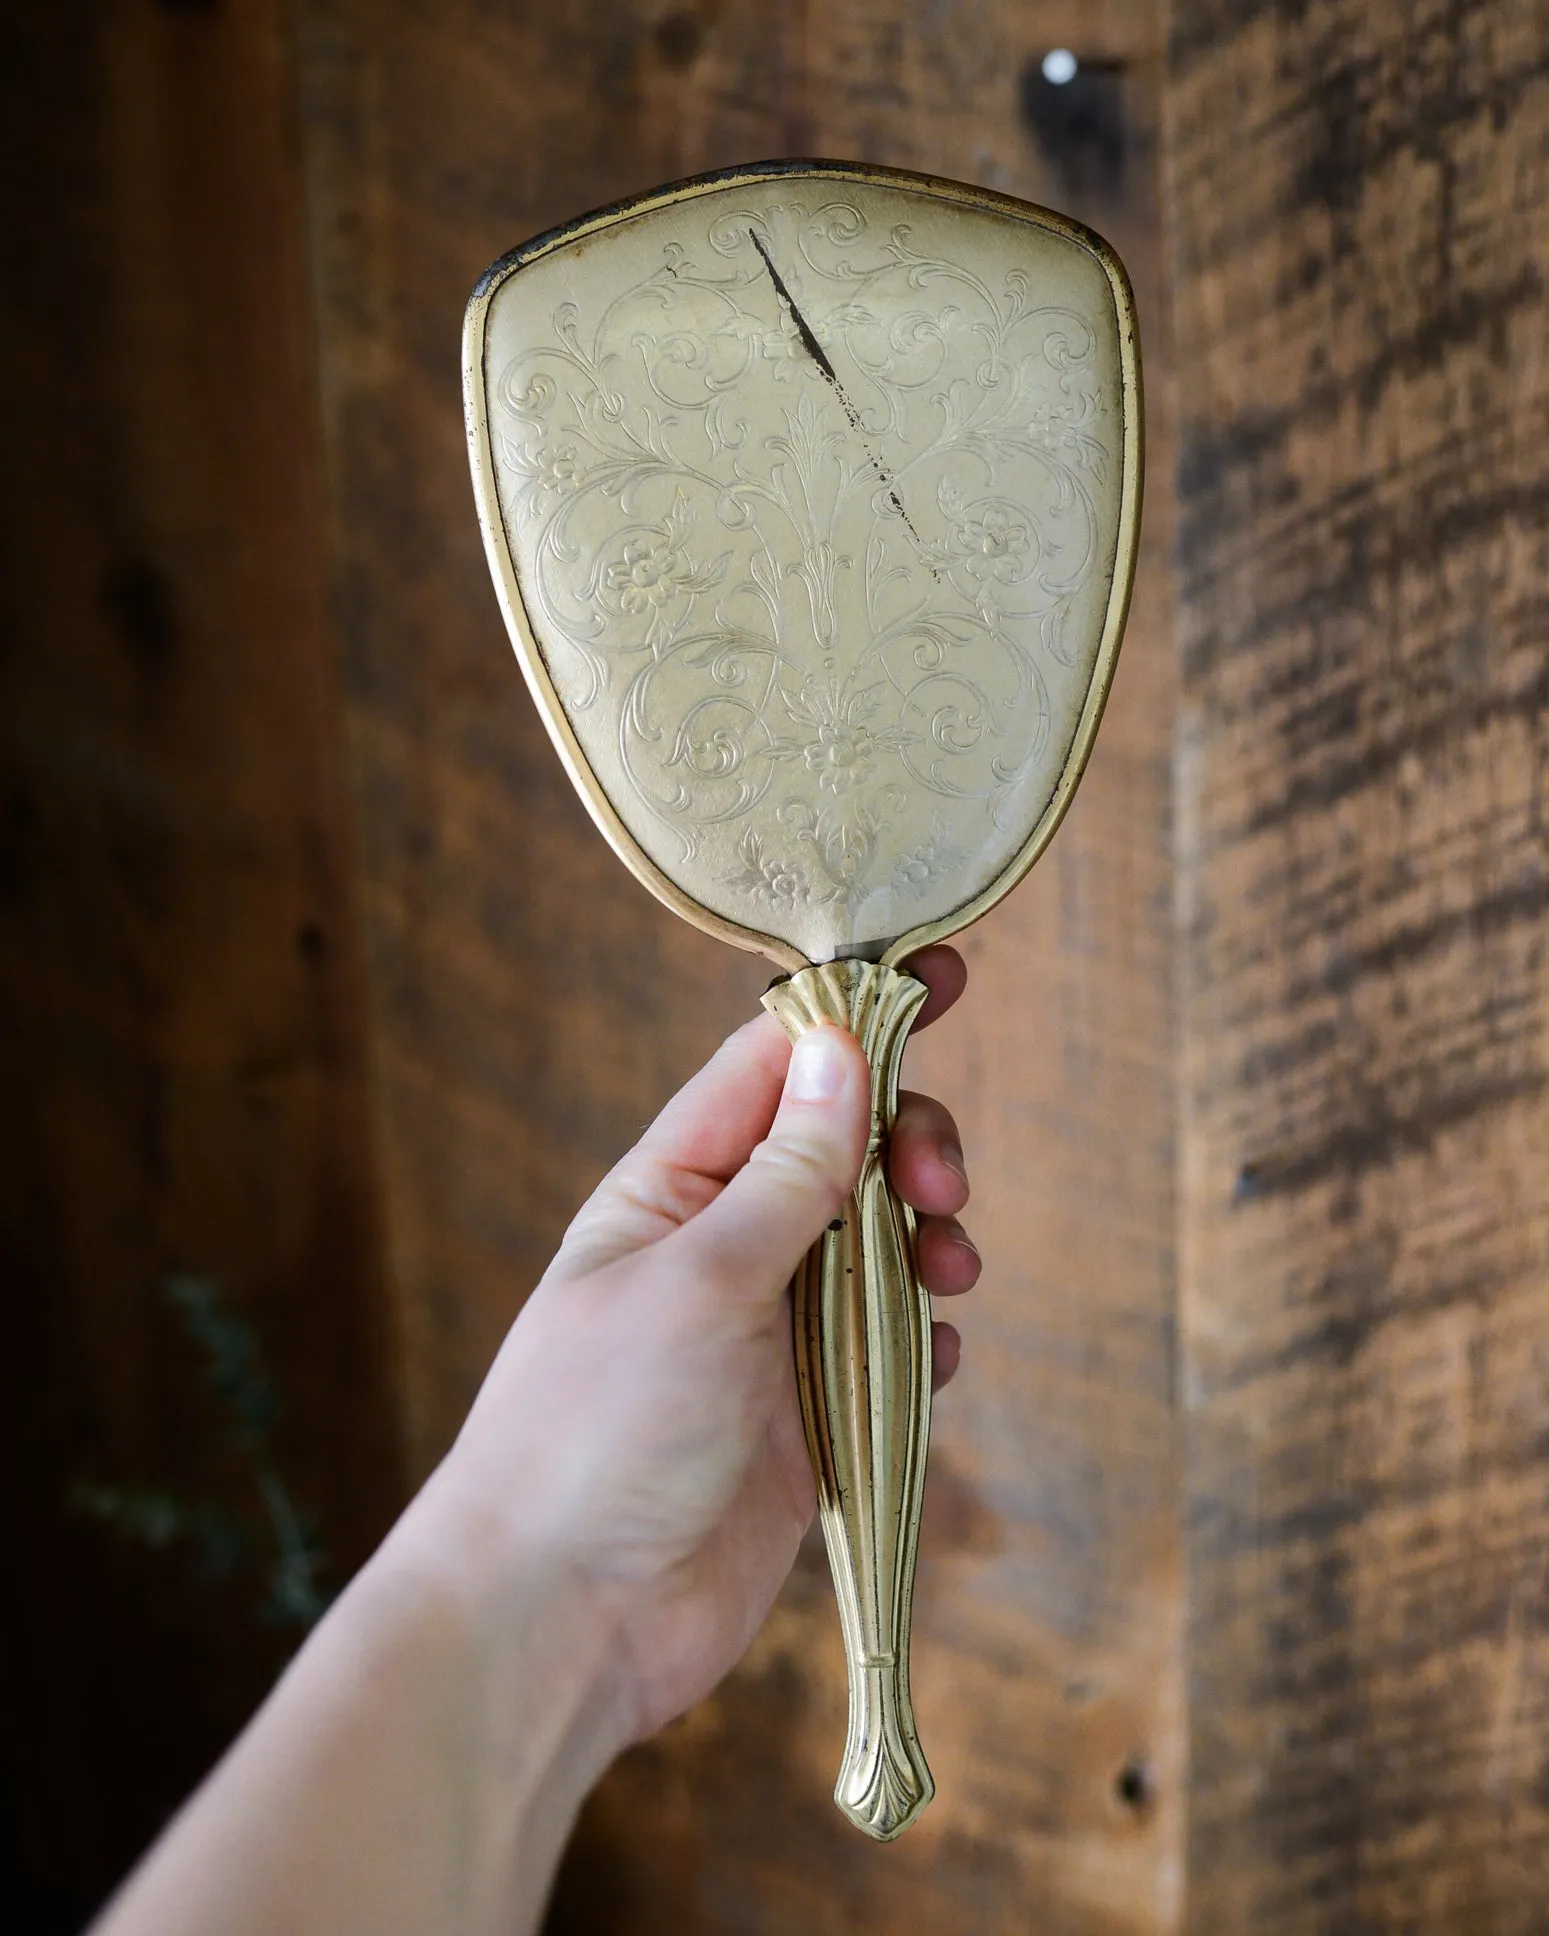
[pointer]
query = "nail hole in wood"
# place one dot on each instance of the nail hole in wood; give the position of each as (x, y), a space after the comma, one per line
(1132, 1785)
(680, 38)
(1074, 108)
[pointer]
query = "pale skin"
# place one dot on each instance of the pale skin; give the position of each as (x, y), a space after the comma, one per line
(596, 1550)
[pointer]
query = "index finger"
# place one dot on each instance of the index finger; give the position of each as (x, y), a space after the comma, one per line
(944, 972)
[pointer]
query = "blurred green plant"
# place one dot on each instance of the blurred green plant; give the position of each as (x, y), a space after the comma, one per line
(276, 1543)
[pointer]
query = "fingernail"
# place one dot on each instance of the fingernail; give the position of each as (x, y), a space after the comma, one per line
(961, 1238)
(818, 1066)
(952, 1155)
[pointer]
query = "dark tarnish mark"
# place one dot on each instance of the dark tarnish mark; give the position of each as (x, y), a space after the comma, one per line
(815, 350)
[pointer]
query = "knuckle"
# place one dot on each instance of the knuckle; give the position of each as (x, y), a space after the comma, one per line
(802, 1167)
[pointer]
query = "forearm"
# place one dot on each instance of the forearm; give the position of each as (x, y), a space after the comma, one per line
(618, 1513)
(417, 1769)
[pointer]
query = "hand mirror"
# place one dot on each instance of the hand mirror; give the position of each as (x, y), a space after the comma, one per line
(811, 492)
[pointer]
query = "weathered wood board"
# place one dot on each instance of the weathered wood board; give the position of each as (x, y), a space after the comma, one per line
(312, 955)
(1357, 210)
(182, 1056)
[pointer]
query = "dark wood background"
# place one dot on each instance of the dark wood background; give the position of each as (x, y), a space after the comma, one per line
(317, 981)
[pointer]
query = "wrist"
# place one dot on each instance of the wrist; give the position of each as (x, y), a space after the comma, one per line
(513, 1672)
(519, 1626)
(418, 1767)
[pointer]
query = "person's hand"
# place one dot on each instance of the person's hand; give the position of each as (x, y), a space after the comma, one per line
(640, 1429)
(597, 1548)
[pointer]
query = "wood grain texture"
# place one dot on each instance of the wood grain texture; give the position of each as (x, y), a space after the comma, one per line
(181, 1056)
(1354, 214)
(1357, 204)
(533, 1006)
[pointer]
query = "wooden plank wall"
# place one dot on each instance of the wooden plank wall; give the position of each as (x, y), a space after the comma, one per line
(532, 1006)
(1357, 199)
(309, 956)
(182, 1060)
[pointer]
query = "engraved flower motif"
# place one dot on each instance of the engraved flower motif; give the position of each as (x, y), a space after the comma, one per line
(841, 756)
(560, 470)
(842, 749)
(839, 747)
(1057, 426)
(915, 870)
(784, 350)
(1051, 427)
(765, 878)
(651, 571)
(778, 344)
(1065, 427)
(993, 544)
(781, 883)
(653, 567)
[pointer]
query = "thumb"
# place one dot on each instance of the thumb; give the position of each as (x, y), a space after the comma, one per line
(750, 1240)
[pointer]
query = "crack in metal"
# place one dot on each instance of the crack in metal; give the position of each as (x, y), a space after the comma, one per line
(815, 350)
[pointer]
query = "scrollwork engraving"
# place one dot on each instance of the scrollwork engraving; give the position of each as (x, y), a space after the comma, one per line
(801, 516)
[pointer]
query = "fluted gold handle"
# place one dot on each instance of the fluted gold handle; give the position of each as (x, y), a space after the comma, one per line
(862, 1325)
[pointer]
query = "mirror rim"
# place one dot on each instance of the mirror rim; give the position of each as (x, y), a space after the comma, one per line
(513, 606)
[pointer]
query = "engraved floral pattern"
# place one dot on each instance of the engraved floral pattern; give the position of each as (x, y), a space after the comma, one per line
(773, 882)
(836, 744)
(783, 349)
(918, 868)
(559, 469)
(993, 544)
(832, 580)
(649, 573)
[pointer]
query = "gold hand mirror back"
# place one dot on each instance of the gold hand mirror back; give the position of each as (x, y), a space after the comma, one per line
(812, 494)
